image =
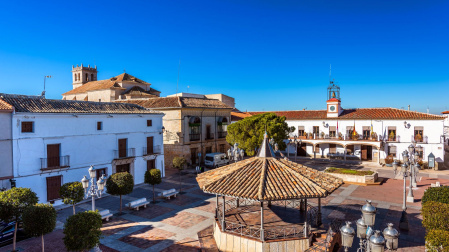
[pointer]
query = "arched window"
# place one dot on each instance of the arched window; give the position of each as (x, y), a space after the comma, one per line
(222, 126)
(91, 77)
(76, 77)
(195, 128)
(87, 77)
(79, 76)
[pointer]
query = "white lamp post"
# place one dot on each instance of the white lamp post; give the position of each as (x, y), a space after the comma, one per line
(94, 190)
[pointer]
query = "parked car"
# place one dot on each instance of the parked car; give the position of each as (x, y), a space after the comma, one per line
(7, 232)
(215, 160)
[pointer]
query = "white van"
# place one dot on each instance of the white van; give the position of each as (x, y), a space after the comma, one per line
(215, 160)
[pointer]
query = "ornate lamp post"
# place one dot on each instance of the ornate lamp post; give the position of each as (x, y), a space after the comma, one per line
(370, 241)
(94, 190)
(295, 142)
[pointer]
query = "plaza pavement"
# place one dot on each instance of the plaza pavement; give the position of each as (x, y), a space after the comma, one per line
(172, 225)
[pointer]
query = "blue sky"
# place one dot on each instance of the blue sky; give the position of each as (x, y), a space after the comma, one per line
(269, 55)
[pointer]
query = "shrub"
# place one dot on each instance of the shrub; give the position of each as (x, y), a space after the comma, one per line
(82, 231)
(349, 171)
(153, 177)
(435, 215)
(39, 219)
(121, 183)
(72, 193)
(437, 240)
(438, 194)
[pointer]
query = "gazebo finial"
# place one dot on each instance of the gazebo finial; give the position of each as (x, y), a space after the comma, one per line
(265, 149)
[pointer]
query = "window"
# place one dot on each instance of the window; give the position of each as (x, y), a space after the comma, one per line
(300, 130)
(332, 131)
(419, 134)
(27, 127)
(195, 130)
(208, 132)
(99, 125)
(391, 133)
(91, 77)
(87, 77)
(392, 150)
(366, 132)
(316, 130)
(100, 172)
(149, 123)
(76, 77)
(349, 131)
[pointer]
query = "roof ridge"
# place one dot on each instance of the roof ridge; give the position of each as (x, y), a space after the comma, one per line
(263, 178)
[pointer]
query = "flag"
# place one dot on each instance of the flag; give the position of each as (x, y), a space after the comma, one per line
(337, 127)
(353, 130)
(371, 125)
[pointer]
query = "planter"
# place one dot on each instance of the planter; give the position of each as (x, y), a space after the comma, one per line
(389, 165)
(366, 179)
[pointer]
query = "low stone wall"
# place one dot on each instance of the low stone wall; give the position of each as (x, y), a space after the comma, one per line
(357, 179)
(234, 243)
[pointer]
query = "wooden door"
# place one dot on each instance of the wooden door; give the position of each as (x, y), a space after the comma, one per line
(122, 168)
(193, 155)
(53, 186)
(302, 150)
(208, 135)
(364, 152)
(122, 152)
(151, 164)
(53, 155)
(369, 152)
(149, 145)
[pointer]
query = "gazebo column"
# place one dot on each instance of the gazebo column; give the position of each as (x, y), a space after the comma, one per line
(319, 213)
(301, 205)
(314, 152)
(262, 238)
(223, 218)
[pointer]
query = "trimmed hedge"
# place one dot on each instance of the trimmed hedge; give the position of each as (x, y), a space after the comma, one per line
(438, 194)
(435, 215)
(348, 171)
(437, 240)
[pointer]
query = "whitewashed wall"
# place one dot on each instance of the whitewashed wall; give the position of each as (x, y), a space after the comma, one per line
(80, 139)
(5, 149)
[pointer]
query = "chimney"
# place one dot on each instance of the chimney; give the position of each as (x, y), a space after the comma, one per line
(408, 107)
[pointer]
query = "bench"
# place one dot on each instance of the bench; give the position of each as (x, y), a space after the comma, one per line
(138, 203)
(105, 214)
(168, 193)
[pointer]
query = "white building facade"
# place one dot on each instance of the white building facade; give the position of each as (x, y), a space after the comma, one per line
(56, 141)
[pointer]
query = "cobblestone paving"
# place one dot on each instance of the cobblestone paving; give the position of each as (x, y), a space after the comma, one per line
(172, 225)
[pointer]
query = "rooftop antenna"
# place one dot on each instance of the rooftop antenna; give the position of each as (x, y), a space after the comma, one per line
(330, 72)
(177, 82)
(43, 92)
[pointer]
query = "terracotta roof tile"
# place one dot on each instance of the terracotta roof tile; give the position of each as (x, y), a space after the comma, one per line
(4, 105)
(360, 113)
(445, 112)
(38, 104)
(179, 102)
(237, 116)
(106, 84)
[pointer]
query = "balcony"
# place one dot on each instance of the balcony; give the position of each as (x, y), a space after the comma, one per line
(419, 139)
(124, 153)
(222, 134)
(55, 163)
(151, 151)
(195, 137)
(210, 136)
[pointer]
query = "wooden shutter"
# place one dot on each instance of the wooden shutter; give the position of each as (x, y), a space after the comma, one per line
(99, 126)
(53, 186)
(149, 123)
(149, 145)
(53, 155)
(122, 147)
(27, 127)
(151, 164)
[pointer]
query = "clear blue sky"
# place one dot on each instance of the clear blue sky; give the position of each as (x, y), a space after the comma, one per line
(269, 55)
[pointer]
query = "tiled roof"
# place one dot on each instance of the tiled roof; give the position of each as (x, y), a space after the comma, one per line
(179, 102)
(260, 178)
(237, 116)
(38, 104)
(445, 112)
(106, 84)
(139, 92)
(360, 113)
(4, 105)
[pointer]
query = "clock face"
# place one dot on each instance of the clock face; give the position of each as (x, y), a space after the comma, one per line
(332, 108)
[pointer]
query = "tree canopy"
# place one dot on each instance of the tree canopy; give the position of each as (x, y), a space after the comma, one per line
(179, 162)
(248, 132)
(153, 177)
(72, 193)
(120, 183)
(82, 231)
(39, 219)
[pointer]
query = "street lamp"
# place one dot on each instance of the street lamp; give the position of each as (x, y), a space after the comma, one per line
(94, 190)
(371, 241)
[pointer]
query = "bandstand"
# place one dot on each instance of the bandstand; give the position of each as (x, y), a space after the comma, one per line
(264, 202)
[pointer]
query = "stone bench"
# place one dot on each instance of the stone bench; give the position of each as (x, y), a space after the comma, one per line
(105, 214)
(138, 203)
(168, 193)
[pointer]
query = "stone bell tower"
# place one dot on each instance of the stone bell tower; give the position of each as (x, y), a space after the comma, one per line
(82, 75)
(333, 100)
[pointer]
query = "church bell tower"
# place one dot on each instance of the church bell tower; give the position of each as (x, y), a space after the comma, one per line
(82, 75)
(333, 100)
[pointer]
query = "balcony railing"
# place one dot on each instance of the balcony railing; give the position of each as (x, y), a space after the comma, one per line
(210, 136)
(55, 162)
(150, 151)
(419, 139)
(222, 134)
(124, 153)
(195, 137)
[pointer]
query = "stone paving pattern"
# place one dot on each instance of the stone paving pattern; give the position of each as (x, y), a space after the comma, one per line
(173, 225)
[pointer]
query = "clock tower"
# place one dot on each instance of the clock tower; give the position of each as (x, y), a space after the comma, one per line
(333, 100)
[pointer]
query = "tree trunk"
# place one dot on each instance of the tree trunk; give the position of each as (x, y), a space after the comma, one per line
(73, 209)
(120, 204)
(154, 201)
(43, 250)
(15, 236)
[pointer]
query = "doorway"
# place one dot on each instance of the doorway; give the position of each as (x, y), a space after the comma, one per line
(367, 153)
(122, 168)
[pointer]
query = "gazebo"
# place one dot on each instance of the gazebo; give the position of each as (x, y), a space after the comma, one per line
(266, 193)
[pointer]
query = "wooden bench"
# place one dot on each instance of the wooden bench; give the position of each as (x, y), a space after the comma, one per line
(168, 193)
(105, 214)
(138, 203)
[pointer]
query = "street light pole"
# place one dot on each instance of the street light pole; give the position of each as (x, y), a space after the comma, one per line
(94, 190)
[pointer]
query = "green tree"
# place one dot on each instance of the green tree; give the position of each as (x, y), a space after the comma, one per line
(38, 220)
(12, 204)
(179, 163)
(72, 193)
(82, 231)
(249, 132)
(153, 177)
(121, 183)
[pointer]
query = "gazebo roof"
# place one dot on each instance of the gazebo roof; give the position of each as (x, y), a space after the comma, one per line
(266, 178)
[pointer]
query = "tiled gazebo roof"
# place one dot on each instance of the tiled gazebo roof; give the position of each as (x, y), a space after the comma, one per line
(266, 178)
